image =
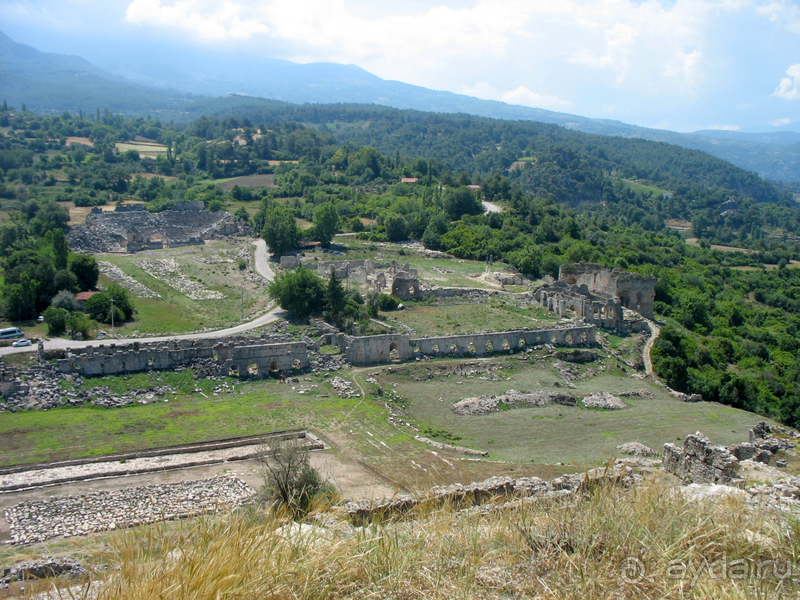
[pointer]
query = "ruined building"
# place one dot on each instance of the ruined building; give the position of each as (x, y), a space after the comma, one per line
(635, 292)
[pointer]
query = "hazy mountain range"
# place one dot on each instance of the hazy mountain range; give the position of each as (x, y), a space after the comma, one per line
(182, 87)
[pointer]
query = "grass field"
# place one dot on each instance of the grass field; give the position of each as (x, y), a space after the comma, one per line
(639, 187)
(188, 416)
(558, 433)
(490, 314)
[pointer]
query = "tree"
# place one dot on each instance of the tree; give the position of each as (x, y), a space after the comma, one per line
(326, 223)
(280, 230)
(85, 269)
(66, 300)
(335, 298)
(60, 248)
(291, 481)
(461, 201)
(396, 227)
(300, 292)
(56, 319)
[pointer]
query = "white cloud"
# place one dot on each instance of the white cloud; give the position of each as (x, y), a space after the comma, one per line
(784, 12)
(215, 22)
(789, 87)
(724, 127)
(781, 122)
(522, 96)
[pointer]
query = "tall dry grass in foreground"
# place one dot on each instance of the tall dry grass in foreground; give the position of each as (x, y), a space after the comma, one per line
(610, 543)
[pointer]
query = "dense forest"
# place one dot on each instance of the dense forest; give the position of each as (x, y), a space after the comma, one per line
(732, 324)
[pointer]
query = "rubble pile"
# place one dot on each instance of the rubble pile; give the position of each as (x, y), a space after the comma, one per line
(39, 389)
(483, 405)
(603, 400)
(38, 520)
(321, 362)
(168, 271)
(636, 449)
(117, 275)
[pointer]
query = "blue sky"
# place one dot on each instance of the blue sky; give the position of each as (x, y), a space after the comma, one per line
(681, 65)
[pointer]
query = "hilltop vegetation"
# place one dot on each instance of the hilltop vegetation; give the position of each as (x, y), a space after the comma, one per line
(731, 325)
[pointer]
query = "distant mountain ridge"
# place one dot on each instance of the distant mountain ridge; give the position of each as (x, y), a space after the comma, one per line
(176, 89)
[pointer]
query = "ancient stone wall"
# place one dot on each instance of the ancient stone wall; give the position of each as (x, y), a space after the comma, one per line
(634, 291)
(385, 348)
(699, 461)
(256, 357)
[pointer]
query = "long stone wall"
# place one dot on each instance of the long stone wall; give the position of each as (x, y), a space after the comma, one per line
(395, 347)
(235, 358)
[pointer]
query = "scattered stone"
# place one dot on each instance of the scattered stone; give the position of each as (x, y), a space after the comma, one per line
(780, 463)
(116, 274)
(748, 451)
(441, 446)
(343, 388)
(167, 270)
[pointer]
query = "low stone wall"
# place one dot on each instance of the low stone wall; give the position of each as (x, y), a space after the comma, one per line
(494, 488)
(699, 461)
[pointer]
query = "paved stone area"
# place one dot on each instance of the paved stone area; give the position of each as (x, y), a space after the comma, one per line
(102, 511)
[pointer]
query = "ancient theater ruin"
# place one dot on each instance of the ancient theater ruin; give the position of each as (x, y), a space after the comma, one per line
(130, 228)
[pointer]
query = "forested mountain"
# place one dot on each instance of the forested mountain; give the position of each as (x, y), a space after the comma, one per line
(51, 83)
(47, 82)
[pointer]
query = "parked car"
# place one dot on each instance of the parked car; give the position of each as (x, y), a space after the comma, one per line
(40, 319)
(22, 342)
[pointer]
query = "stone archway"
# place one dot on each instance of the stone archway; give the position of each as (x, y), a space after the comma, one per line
(252, 369)
(394, 352)
(233, 371)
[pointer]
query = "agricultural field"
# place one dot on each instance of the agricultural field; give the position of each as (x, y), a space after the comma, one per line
(145, 149)
(247, 181)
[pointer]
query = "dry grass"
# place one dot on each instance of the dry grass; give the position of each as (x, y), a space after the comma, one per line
(586, 547)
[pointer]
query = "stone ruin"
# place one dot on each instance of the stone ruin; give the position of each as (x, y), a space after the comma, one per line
(633, 291)
(700, 462)
(130, 228)
(598, 309)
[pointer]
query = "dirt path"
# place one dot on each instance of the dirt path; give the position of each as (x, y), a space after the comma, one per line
(654, 333)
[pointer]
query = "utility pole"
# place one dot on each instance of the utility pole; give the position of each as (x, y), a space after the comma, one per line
(112, 317)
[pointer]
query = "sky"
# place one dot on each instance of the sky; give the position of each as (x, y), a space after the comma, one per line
(682, 65)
